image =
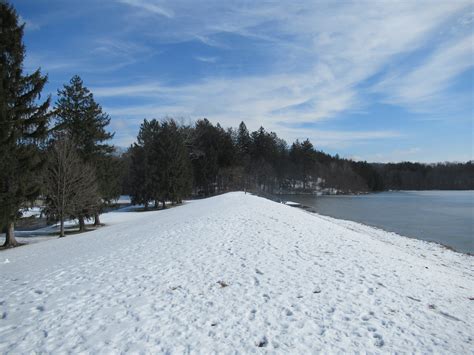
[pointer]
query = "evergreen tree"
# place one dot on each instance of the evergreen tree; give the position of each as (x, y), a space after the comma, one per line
(243, 141)
(78, 114)
(148, 153)
(205, 152)
(160, 167)
(138, 186)
(264, 155)
(23, 123)
(243, 146)
(173, 163)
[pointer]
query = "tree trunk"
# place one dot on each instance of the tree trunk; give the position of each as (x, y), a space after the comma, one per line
(163, 205)
(157, 204)
(61, 228)
(10, 240)
(146, 206)
(96, 220)
(82, 224)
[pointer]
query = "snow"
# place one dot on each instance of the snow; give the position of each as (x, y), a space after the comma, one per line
(32, 211)
(123, 199)
(234, 273)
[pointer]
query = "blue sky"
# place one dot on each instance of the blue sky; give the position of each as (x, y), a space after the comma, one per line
(379, 81)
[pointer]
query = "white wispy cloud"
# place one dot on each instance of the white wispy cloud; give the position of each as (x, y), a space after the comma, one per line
(340, 45)
(120, 48)
(426, 84)
(29, 25)
(323, 60)
(229, 101)
(150, 7)
(206, 59)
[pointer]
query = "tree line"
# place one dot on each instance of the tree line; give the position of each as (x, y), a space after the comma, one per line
(211, 160)
(61, 152)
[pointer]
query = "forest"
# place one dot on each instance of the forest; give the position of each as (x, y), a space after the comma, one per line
(61, 154)
(204, 159)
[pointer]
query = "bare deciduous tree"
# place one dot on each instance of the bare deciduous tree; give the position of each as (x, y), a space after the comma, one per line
(70, 185)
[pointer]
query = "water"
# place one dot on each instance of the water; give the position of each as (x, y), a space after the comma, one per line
(445, 217)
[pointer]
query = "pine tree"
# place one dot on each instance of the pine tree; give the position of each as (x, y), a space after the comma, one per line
(23, 124)
(160, 168)
(138, 188)
(308, 161)
(205, 151)
(78, 114)
(173, 163)
(148, 153)
(243, 141)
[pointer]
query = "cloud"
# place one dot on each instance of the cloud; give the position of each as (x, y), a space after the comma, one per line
(337, 139)
(426, 84)
(399, 155)
(48, 62)
(105, 55)
(29, 25)
(206, 59)
(149, 7)
(229, 101)
(295, 62)
(324, 54)
(120, 48)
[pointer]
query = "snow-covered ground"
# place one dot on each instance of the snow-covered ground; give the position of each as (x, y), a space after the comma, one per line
(235, 273)
(32, 211)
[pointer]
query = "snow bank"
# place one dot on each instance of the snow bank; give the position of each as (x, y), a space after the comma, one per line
(234, 273)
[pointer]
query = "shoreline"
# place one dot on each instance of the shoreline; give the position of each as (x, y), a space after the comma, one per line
(365, 192)
(309, 209)
(364, 211)
(398, 235)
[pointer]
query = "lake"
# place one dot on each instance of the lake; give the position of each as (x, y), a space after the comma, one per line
(445, 217)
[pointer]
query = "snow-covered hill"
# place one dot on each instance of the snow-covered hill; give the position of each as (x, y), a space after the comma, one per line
(234, 273)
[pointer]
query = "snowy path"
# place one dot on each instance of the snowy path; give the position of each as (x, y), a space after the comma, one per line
(296, 282)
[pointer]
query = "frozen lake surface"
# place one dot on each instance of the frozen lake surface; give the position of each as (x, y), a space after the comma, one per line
(445, 217)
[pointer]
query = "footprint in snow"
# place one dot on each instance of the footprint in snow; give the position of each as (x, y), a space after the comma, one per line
(262, 343)
(223, 284)
(378, 340)
(256, 282)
